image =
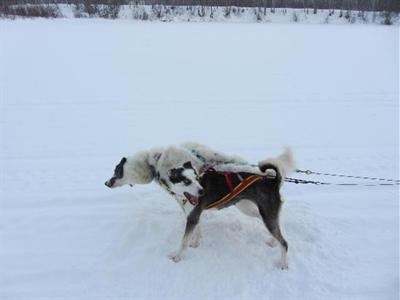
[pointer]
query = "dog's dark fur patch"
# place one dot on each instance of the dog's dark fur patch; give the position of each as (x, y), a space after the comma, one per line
(176, 174)
(188, 165)
(119, 169)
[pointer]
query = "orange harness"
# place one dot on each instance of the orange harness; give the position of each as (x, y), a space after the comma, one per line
(236, 191)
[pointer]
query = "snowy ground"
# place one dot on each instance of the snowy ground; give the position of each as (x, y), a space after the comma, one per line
(79, 94)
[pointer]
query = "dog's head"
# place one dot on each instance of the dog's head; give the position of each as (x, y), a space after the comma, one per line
(118, 179)
(183, 182)
(166, 167)
(131, 170)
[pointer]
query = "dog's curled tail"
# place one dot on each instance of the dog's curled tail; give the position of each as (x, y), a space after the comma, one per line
(269, 166)
(282, 165)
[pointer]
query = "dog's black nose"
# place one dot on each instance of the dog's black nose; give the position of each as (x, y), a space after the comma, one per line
(201, 192)
(108, 183)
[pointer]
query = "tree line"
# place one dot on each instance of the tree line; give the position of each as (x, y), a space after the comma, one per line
(353, 5)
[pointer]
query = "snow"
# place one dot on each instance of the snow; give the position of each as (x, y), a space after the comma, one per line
(79, 94)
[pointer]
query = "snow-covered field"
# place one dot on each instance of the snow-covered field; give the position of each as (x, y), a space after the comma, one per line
(76, 95)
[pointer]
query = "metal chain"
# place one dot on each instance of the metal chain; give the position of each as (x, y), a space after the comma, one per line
(302, 181)
(309, 172)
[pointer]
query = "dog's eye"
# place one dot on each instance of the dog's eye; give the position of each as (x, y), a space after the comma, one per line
(187, 181)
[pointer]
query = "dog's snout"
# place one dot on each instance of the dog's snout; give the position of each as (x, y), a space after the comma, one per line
(201, 192)
(109, 183)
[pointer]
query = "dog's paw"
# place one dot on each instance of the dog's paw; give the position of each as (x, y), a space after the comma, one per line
(272, 243)
(284, 266)
(194, 243)
(174, 257)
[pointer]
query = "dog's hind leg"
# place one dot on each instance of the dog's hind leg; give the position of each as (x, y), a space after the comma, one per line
(271, 221)
(191, 223)
(272, 242)
(249, 208)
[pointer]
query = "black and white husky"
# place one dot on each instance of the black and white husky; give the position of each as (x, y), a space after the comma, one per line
(177, 170)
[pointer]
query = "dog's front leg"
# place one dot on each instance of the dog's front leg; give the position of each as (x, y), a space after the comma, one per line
(195, 242)
(191, 223)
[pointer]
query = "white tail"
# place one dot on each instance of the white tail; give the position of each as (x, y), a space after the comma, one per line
(284, 162)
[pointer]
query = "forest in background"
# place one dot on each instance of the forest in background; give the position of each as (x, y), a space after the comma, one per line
(387, 9)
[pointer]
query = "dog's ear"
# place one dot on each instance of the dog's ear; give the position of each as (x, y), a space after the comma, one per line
(188, 165)
(119, 169)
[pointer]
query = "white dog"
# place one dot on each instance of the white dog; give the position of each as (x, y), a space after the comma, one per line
(177, 170)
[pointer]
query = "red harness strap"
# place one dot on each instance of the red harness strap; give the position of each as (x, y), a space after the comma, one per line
(227, 175)
(236, 191)
(228, 180)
